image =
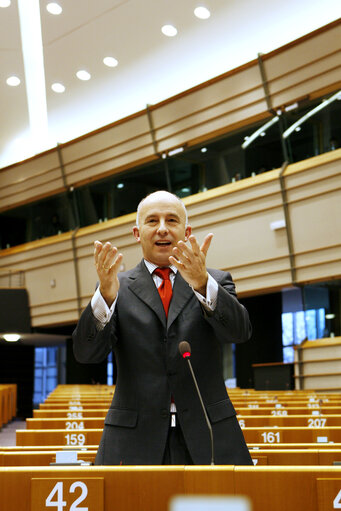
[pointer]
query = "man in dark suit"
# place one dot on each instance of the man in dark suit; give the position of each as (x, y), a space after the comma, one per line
(155, 416)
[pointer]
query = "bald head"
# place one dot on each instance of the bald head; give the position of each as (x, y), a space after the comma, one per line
(156, 197)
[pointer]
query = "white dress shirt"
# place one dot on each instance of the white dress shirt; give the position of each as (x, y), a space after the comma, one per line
(103, 313)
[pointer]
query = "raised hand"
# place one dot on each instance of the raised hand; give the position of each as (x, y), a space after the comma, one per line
(191, 262)
(107, 262)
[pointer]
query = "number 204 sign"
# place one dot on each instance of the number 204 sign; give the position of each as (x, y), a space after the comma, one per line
(67, 494)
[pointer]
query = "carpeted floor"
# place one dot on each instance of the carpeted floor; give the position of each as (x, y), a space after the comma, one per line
(7, 433)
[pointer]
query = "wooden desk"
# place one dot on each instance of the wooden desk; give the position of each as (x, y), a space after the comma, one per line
(152, 487)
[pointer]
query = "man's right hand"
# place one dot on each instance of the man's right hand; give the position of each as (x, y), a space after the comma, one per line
(107, 262)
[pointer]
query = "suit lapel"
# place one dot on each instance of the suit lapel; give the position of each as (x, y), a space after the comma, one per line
(143, 287)
(181, 294)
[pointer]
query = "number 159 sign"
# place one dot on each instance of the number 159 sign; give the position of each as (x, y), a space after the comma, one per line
(67, 494)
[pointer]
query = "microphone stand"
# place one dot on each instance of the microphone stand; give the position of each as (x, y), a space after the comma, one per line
(185, 351)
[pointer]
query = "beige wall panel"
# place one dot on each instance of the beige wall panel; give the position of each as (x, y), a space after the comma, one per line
(262, 284)
(266, 184)
(320, 272)
(239, 103)
(326, 185)
(240, 82)
(306, 72)
(211, 219)
(304, 89)
(313, 169)
(245, 240)
(210, 213)
(315, 222)
(299, 54)
(29, 168)
(33, 183)
(26, 197)
(105, 138)
(331, 366)
(51, 307)
(56, 319)
(259, 268)
(38, 282)
(320, 353)
(320, 255)
(40, 257)
(29, 191)
(222, 123)
(133, 147)
(108, 166)
(322, 382)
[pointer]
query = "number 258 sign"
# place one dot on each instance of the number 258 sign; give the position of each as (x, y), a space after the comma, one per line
(67, 494)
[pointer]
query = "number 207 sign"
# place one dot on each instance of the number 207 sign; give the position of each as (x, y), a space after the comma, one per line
(67, 494)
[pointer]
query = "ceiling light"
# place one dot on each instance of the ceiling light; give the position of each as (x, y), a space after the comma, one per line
(32, 51)
(204, 149)
(298, 128)
(13, 81)
(330, 316)
(263, 134)
(257, 133)
(175, 151)
(312, 112)
(110, 61)
(5, 3)
(54, 8)
(202, 12)
(169, 30)
(291, 107)
(58, 87)
(11, 337)
(83, 75)
(120, 186)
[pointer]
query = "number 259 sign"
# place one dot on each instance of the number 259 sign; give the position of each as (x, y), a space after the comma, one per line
(67, 494)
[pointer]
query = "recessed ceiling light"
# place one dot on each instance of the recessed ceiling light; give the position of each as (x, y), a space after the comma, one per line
(54, 8)
(5, 3)
(204, 149)
(263, 134)
(298, 128)
(58, 87)
(83, 75)
(110, 61)
(13, 81)
(202, 12)
(11, 337)
(169, 30)
(120, 185)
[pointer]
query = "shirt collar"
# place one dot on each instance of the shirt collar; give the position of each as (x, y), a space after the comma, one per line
(151, 267)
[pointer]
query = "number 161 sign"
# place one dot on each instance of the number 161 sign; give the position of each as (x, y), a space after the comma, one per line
(67, 494)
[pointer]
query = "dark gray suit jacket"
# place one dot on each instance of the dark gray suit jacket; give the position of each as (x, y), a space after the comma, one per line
(150, 370)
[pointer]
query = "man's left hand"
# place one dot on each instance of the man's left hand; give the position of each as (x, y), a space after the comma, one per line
(191, 262)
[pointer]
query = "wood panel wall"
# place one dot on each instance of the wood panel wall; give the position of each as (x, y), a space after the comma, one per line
(304, 69)
(60, 275)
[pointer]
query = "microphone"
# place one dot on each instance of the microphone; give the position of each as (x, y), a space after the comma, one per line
(185, 352)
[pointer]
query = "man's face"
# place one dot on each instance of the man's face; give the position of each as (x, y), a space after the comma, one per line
(162, 222)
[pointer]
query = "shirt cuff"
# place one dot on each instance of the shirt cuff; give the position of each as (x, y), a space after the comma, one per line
(210, 300)
(100, 309)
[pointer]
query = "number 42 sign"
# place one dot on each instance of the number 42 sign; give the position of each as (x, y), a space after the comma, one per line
(67, 494)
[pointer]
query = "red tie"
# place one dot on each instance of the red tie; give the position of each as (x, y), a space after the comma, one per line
(165, 288)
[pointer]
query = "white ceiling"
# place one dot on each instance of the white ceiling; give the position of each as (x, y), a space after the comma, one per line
(151, 66)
